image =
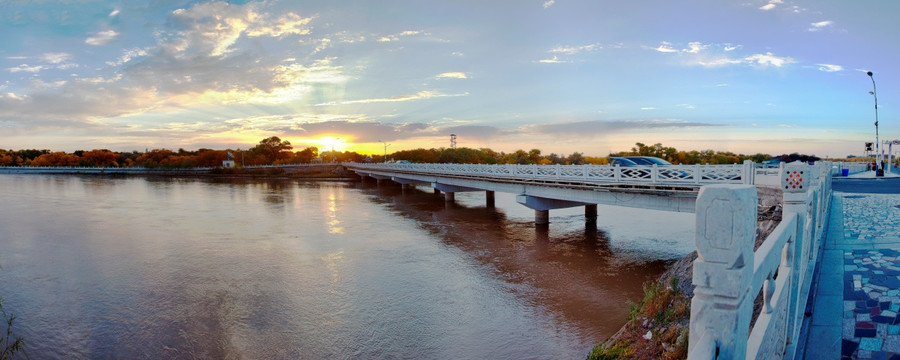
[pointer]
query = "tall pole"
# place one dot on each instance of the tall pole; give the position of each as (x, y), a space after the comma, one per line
(878, 154)
(385, 149)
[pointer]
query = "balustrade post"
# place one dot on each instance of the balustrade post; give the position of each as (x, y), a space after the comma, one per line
(654, 174)
(617, 173)
(795, 181)
(557, 171)
(722, 305)
(748, 175)
(697, 173)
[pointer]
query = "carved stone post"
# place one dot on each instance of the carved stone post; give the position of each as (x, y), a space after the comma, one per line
(795, 181)
(748, 173)
(725, 233)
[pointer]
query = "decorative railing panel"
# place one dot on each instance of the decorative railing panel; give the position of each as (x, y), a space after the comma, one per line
(726, 284)
(675, 174)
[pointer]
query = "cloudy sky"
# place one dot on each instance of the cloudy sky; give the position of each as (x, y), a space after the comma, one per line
(771, 76)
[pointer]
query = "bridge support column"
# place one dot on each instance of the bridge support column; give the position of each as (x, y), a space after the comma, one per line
(404, 187)
(590, 213)
(437, 192)
(542, 206)
(489, 199)
(541, 217)
(449, 196)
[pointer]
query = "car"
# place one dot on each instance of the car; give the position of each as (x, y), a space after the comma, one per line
(620, 161)
(648, 160)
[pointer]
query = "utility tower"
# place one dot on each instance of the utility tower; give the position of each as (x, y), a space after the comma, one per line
(453, 141)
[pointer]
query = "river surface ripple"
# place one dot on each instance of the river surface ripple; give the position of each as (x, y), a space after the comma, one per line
(132, 267)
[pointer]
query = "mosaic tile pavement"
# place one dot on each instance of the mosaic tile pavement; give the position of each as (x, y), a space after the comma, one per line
(871, 217)
(871, 277)
(871, 304)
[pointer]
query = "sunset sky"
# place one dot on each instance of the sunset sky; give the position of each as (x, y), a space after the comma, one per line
(773, 76)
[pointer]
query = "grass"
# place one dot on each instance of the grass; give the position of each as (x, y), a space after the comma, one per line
(657, 327)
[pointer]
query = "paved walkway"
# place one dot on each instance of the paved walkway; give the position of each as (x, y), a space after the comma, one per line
(855, 314)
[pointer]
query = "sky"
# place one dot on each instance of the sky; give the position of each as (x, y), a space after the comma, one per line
(562, 76)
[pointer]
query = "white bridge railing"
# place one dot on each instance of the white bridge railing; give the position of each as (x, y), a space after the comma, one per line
(729, 274)
(674, 174)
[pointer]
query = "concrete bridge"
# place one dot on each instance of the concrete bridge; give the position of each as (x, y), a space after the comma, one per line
(547, 187)
(728, 273)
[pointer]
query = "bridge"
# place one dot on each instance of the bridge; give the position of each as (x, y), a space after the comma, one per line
(728, 273)
(547, 187)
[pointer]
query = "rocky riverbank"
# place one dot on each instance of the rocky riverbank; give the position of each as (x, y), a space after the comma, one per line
(657, 326)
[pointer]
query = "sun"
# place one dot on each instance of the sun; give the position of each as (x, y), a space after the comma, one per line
(329, 143)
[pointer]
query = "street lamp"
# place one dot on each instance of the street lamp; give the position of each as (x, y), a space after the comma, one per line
(385, 149)
(878, 170)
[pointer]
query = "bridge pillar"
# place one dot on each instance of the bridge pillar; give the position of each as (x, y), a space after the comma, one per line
(489, 199)
(590, 213)
(542, 206)
(437, 192)
(449, 196)
(541, 217)
(404, 187)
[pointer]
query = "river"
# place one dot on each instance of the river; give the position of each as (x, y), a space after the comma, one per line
(144, 267)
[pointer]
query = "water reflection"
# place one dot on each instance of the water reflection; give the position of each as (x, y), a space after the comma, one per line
(567, 267)
(240, 268)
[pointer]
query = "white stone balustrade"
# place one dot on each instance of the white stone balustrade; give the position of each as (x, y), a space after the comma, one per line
(674, 174)
(729, 274)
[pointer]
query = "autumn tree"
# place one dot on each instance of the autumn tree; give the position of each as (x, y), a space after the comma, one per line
(99, 158)
(153, 158)
(272, 148)
(58, 158)
(306, 155)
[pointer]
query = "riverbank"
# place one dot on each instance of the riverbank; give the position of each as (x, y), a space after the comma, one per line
(657, 326)
(323, 172)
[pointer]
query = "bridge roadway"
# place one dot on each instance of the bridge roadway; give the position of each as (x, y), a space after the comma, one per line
(547, 187)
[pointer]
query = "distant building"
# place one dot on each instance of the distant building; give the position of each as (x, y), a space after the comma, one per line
(227, 163)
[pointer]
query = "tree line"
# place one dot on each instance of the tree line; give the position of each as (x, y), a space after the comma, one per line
(274, 151)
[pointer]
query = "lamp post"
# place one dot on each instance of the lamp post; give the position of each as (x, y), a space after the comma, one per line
(878, 167)
(385, 149)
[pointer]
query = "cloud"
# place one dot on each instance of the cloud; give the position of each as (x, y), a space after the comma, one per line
(215, 27)
(452, 75)
(400, 98)
(693, 47)
(771, 5)
(767, 59)
(548, 3)
(646, 108)
(102, 37)
(666, 47)
(553, 60)
(599, 127)
(396, 37)
(571, 50)
(758, 60)
(55, 58)
(198, 60)
(114, 13)
(830, 67)
(816, 26)
(25, 68)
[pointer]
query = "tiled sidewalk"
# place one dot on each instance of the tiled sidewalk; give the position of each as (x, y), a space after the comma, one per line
(860, 279)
